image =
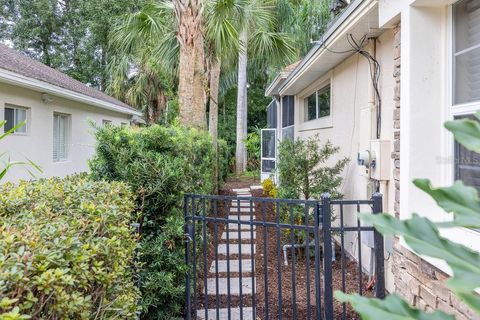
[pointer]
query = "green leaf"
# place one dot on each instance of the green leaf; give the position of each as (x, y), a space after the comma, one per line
(466, 132)
(463, 201)
(423, 237)
(392, 308)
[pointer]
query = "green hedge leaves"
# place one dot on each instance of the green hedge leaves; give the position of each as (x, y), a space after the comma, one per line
(67, 250)
(160, 164)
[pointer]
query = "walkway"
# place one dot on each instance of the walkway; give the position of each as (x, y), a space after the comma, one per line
(243, 282)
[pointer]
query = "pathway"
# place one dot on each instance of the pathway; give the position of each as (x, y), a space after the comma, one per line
(229, 247)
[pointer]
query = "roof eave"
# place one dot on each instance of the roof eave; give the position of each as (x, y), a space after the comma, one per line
(272, 89)
(336, 30)
(44, 87)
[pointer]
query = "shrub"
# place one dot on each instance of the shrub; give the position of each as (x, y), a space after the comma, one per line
(269, 188)
(67, 250)
(252, 144)
(303, 171)
(160, 164)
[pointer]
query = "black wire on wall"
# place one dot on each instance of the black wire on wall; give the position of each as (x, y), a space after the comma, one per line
(375, 71)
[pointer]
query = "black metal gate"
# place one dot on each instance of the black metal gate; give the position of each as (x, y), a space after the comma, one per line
(263, 258)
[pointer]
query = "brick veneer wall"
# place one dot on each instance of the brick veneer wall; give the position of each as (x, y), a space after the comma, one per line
(420, 283)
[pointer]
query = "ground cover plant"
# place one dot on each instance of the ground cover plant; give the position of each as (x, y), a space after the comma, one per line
(423, 236)
(160, 164)
(67, 250)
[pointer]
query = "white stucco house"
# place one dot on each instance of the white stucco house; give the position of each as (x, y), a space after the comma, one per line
(417, 65)
(57, 109)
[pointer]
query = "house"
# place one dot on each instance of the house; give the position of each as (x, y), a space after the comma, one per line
(57, 110)
(379, 84)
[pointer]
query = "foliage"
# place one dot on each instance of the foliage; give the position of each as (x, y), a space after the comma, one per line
(423, 236)
(252, 144)
(71, 36)
(7, 164)
(269, 188)
(303, 171)
(160, 164)
(67, 250)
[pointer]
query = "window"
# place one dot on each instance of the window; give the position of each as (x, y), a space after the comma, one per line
(61, 136)
(288, 117)
(466, 51)
(272, 115)
(317, 105)
(106, 122)
(13, 117)
(466, 84)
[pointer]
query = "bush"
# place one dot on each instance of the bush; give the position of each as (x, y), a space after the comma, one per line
(252, 144)
(67, 250)
(303, 171)
(160, 164)
(269, 188)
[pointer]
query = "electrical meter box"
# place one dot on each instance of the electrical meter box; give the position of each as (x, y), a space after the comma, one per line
(380, 150)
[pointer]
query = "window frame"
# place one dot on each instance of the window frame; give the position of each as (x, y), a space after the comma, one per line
(317, 105)
(324, 122)
(27, 118)
(453, 110)
(68, 134)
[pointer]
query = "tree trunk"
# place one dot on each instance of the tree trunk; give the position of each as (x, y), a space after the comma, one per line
(191, 88)
(214, 88)
(240, 154)
(215, 69)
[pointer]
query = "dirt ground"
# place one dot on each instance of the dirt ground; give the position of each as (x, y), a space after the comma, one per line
(277, 286)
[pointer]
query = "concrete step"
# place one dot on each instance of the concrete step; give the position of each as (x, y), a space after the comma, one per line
(241, 190)
(247, 314)
(243, 227)
(258, 187)
(235, 285)
(234, 249)
(244, 235)
(241, 209)
(234, 266)
(242, 217)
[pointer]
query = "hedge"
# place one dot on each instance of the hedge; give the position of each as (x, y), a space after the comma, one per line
(160, 164)
(67, 250)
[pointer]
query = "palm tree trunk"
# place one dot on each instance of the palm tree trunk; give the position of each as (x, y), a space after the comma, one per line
(213, 118)
(214, 88)
(191, 89)
(240, 154)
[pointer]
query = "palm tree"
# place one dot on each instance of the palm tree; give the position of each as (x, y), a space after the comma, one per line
(191, 84)
(143, 68)
(257, 37)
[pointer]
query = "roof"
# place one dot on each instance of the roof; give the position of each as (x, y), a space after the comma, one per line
(358, 19)
(18, 63)
(281, 76)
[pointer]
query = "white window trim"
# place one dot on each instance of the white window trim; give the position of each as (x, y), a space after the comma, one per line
(318, 123)
(67, 139)
(27, 118)
(465, 236)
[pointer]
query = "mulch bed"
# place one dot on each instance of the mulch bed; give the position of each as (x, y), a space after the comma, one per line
(296, 305)
(291, 305)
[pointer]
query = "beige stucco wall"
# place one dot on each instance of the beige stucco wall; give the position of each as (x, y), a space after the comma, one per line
(351, 126)
(37, 144)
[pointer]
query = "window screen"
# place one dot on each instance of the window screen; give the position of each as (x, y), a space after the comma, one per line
(272, 115)
(288, 111)
(466, 51)
(61, 131)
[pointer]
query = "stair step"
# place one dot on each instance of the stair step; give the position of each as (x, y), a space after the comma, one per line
(247, 314)
(234, 266)
(234, 286)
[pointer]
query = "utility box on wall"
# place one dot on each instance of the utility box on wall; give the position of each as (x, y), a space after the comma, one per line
(380, 150)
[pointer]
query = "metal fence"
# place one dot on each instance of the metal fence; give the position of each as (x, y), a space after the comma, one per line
(264, 258)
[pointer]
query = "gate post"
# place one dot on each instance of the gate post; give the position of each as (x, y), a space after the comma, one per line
(188, 239)
(327, 255)
(379, 250)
